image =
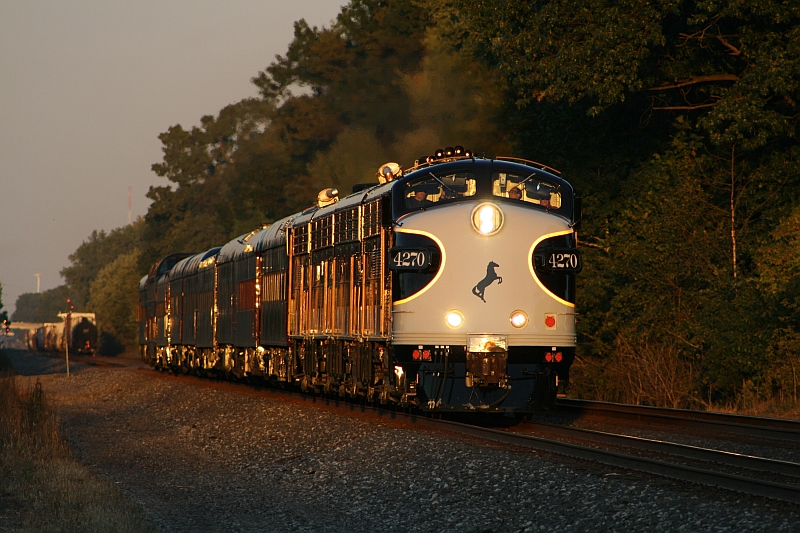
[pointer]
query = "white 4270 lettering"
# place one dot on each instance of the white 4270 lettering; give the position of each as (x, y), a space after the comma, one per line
(564, 261)
(412, 259)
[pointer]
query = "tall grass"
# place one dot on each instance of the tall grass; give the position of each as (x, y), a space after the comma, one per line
(42, 488)
(28, 427)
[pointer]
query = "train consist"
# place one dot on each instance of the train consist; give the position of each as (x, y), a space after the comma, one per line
(449, 287)
(76, 330)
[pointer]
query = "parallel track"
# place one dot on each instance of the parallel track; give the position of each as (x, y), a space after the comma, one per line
(771, 428)
(696, 453)
(743, 481)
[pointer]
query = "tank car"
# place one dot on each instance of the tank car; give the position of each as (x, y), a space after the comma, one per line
(449, 288)
(81, 334)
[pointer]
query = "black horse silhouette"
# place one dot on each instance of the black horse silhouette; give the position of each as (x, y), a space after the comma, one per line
(491, 276)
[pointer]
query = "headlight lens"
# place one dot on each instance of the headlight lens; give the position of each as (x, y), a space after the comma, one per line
(454, 318)
(487, 219)
(518, 319)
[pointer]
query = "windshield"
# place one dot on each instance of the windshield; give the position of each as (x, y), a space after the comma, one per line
(526, 189)
(437, 189)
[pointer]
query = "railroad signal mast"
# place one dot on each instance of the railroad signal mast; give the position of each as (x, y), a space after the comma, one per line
(6, 330)
(68, 330)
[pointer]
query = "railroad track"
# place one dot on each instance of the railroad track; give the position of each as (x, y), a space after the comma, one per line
(745, 474)
(748, 474)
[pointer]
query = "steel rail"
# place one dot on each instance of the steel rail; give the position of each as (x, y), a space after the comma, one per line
(772, 428)
(738, 460)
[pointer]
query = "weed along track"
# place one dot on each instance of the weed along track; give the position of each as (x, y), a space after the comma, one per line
(41, 483)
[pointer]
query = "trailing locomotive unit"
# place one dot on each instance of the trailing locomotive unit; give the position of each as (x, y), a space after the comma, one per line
(450, 287)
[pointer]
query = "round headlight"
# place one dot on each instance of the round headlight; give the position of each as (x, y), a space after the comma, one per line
(518, 319)
(487, 219)
(454, 318)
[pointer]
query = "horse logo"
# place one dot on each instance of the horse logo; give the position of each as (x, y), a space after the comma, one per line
(491, 276)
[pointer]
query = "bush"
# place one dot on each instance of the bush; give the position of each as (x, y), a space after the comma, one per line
(110, 345)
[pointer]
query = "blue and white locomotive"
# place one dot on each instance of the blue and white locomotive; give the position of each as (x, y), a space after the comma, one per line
(449, 287)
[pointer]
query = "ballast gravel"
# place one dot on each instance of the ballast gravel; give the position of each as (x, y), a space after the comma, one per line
(201, 456)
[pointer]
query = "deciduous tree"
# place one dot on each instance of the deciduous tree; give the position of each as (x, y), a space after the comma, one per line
(114, 297)
(94, 254)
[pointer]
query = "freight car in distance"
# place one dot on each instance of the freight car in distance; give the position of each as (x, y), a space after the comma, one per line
(78, 330)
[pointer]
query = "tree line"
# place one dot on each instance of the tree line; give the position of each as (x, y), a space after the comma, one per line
(676, 120)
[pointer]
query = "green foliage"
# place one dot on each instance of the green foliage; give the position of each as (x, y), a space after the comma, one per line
(109, 345)
(114, 297)
(352, 69)
(452, 101)
(44, 307)
(778, 263)
(677, 120)
(94, 254)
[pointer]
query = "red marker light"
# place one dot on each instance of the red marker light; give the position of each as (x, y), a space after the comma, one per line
(548, 357)
(426, 355)
(558, 357)
(550, 321)
(415, 355)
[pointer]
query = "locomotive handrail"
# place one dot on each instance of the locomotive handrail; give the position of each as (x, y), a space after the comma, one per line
(540, 166)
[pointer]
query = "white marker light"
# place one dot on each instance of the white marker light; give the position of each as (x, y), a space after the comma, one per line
(518, 319)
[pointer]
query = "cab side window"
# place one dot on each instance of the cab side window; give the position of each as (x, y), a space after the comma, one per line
(437, 189)
(526, 189)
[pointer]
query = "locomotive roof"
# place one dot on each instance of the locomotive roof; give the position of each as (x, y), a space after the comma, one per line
(484, 167)
(274, 235)
(167, 263)
(353, 200)
(234, 249)
(179, 268)
(190, 265)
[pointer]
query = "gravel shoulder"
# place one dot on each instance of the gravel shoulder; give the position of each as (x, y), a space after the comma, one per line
(197, 456)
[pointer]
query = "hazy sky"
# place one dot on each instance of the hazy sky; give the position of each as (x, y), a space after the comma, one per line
(87, 86)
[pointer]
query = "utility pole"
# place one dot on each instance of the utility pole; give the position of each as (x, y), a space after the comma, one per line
(38, 283)
(130, 206)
